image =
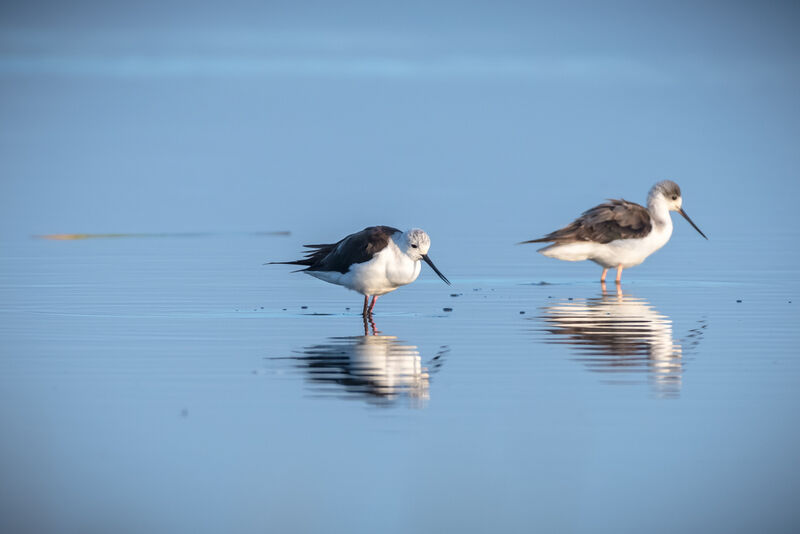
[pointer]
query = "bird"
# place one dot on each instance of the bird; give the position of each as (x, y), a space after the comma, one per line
(373, 262)
(618, 233)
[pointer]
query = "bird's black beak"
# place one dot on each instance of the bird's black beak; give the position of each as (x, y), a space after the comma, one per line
(429, 262)
(690, 222)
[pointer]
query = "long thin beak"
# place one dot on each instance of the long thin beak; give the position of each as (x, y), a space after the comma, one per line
(690, 222)
(429, 262)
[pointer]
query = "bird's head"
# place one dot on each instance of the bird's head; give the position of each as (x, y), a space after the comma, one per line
(669, 193)
(415, 243)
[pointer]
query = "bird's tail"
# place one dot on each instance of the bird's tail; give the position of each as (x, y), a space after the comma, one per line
(298, 262)
(313, 256)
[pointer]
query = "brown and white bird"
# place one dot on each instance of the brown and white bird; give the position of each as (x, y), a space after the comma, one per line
(619, 233)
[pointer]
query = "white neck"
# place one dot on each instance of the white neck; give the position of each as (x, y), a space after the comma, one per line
(659, 211)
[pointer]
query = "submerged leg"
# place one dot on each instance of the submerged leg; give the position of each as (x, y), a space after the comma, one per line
(366, 301)
(374, 299)
(603, 276)
(369, 323)
(619, 273)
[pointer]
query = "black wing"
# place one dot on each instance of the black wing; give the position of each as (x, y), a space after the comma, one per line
(615, 219)
(355, 248)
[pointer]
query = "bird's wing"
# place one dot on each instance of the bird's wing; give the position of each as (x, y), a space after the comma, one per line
(612, 220)
(355, 248)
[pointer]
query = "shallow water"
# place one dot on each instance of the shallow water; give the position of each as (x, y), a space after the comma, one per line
(178, 384)
(156, 377)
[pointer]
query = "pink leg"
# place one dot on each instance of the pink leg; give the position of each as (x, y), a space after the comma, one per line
(619, 273)
(372, 305)
(603, 276)
(368, 319)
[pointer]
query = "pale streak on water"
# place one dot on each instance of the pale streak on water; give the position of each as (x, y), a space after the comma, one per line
(165, 384)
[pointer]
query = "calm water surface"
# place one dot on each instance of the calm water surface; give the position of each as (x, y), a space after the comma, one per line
(169, 382)
(173, 384)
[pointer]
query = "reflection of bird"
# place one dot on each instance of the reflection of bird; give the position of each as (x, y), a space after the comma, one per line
(616, 334)
(375, 367)
(619, 233)
(373, 262)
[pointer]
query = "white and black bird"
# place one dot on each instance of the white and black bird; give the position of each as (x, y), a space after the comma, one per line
(373, 262)
(619, 233)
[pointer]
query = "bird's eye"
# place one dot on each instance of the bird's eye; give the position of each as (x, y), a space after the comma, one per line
(413, 246)
(674, 197)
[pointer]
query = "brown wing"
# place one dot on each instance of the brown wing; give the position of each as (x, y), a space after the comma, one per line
(355, 248)
(615, 219)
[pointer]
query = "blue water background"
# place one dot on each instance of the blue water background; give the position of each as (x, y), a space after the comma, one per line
(173, 383)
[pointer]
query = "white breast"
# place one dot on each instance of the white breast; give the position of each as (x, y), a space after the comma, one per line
(385, 272)
(625, 252)
(632, 252)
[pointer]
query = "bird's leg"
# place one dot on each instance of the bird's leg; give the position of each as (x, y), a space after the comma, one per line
(372, 305)
(603, 286)
(369, 323)
(603, 276)
(372, 324)
(366, 301)
(619, 273)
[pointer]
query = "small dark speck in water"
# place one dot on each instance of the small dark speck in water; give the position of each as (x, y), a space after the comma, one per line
(738, 300)
(284, 309)
(303, 307)
(262, 307)
(347, 309)
(549, 296)
(569, 298)
(456, 294)
(185, 412)
(522, 312)
(447, 309)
